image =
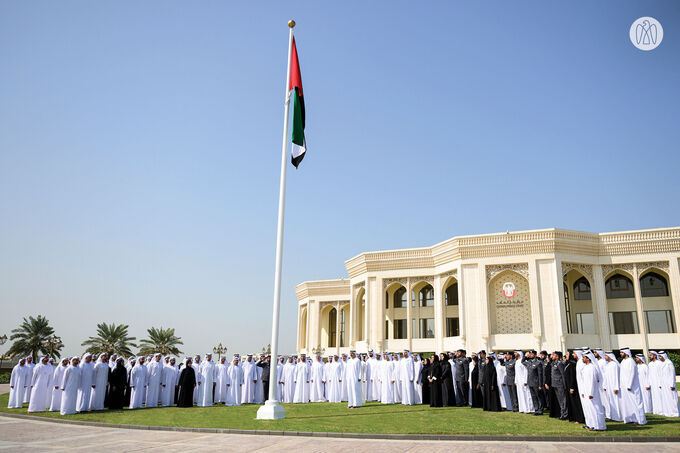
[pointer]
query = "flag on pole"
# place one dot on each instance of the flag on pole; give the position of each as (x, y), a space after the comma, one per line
(295, 91)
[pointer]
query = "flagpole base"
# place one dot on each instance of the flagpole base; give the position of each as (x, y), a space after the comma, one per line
(271, 410)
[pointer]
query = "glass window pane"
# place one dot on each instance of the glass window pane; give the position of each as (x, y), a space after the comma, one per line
(658, 321)
(586, 323)
(452, 327)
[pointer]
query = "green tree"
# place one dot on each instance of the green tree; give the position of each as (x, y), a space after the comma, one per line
(112, 339)
(160, 340)
(29, 338)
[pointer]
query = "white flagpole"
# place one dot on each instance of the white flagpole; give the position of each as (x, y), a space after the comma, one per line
(272, 410)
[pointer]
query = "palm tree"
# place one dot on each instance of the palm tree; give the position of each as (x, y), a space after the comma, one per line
(112, 339)
(160, 340)
(29, 339)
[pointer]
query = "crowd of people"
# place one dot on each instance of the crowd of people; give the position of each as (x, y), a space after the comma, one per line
(583, 386)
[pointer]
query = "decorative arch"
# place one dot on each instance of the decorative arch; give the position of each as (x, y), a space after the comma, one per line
(654, 283)
(578, 304)
(509, 303)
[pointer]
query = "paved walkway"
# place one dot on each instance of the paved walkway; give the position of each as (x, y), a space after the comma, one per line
(28, 436)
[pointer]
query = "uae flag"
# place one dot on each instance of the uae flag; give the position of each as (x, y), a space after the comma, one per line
(295, 90)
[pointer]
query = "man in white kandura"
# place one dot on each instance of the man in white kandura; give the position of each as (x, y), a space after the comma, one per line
(288, 379)
(57, 379)
(40, 386)
(138, 382)
(86, 383)
(169, 377)
(301, 381)
(101, 379)
(153, 390)
(234, 383)
(632, 408)
(668, 386)
(406, 377)
(205, 393)
(249, 380)
(17, 385)
(645, 387)
(70, 385)
(221, 377)
(353, 378)
(317, 381)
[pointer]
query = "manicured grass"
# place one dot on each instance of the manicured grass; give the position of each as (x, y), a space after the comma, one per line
(372, 418)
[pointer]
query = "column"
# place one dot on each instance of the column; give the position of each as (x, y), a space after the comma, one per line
(461, 308)
(350, 331)
(599, 301)
(409, 322)
(313, 330)
(640, 312)
(337, 328)
(674, 282)
(379, 315)
(439, 327)
(535, 301)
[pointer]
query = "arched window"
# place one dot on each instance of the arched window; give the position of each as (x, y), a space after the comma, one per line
(582, 289)
(332, 327)
(567, 307)
(451, 295)
(342, 328)
(619, 287)
(653, 285)
(400, 298)
(426, 296)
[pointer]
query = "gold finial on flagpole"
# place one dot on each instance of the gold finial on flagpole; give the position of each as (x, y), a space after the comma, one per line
(291, 23)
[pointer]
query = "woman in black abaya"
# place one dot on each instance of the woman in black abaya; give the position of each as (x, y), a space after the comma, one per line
(492, 399)
(433, 377)
(574, 407)
(448, 394)
(187, 382)
(117, 385)
(475, 379)
(424, 382)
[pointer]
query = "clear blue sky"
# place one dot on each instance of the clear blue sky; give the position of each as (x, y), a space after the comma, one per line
(140, 146)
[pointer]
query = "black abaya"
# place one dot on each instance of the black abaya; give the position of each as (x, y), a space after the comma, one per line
(492, 399)
(117, 387)
(187, 382)
(574, 407)
(435, 388)
(426, 384)
(448, 394)
(475, 381)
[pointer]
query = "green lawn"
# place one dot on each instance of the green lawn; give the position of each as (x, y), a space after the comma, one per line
(372, 418)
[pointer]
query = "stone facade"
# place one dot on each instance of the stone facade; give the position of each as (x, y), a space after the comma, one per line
(543, 289)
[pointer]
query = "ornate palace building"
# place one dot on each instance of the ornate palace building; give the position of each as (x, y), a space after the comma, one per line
(542, 289)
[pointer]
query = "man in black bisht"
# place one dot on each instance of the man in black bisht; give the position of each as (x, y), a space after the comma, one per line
(558, 383)
(264, 364)
(534, 379)
(510, 380)
(186, 383)
(462, 377)
(434, 378)
(117, 384)
(448, 396)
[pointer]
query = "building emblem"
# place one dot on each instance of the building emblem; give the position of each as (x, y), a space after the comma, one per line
(509, 290)
(646, 33)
